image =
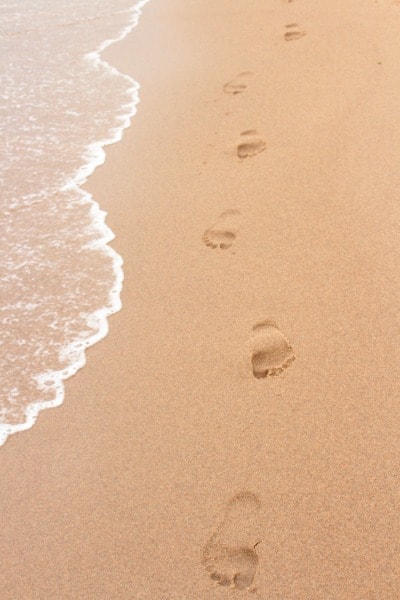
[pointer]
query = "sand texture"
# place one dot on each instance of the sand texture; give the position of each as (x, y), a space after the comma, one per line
(236, 435)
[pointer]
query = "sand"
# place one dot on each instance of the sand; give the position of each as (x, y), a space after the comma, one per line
(237, 432)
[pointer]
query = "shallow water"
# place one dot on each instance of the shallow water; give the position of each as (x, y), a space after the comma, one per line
(60, 104)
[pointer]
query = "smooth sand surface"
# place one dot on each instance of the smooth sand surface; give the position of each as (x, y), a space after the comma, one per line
(256, 203)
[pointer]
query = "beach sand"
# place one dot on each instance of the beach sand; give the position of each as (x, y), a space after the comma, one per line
(237, 432)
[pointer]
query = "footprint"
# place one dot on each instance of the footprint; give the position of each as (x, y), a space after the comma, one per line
(237, 85)
(271, 352)
(230, 556)
(224, 232)
(250, 144)
(295, 32)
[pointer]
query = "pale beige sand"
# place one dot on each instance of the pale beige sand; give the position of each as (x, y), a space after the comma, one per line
(170, 469)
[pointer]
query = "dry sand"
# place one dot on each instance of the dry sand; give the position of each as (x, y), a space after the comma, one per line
(171, 472)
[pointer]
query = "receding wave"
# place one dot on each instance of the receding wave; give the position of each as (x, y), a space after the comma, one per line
(61, 104)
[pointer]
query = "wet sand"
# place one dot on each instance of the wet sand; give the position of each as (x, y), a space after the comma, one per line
(237, 432)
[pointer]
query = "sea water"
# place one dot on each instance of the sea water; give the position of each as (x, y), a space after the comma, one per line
(60, 104)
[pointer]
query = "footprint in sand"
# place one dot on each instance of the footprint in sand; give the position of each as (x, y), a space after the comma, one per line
(237, 85)
(230, 556)
(224, 232)
(271, 352)
(250, 144)
(294, 32)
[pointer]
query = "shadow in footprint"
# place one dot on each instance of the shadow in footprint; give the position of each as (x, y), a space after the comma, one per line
(295, 32)
(237, 85)
(271, 352)
(250, 144)
(224, 231)
(230, 556)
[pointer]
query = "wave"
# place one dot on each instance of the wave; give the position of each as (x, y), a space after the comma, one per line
(71, 352)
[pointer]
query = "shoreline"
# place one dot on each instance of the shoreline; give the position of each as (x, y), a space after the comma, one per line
(93, 156)
(167, 447)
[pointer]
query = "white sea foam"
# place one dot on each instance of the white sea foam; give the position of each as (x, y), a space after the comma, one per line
(37, 308)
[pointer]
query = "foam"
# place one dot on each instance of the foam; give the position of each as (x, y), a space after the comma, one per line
(74, 352)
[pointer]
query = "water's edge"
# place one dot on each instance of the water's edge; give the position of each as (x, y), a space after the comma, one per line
(95, 156)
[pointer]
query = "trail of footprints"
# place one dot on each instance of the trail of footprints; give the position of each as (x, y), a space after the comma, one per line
(230, 556)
